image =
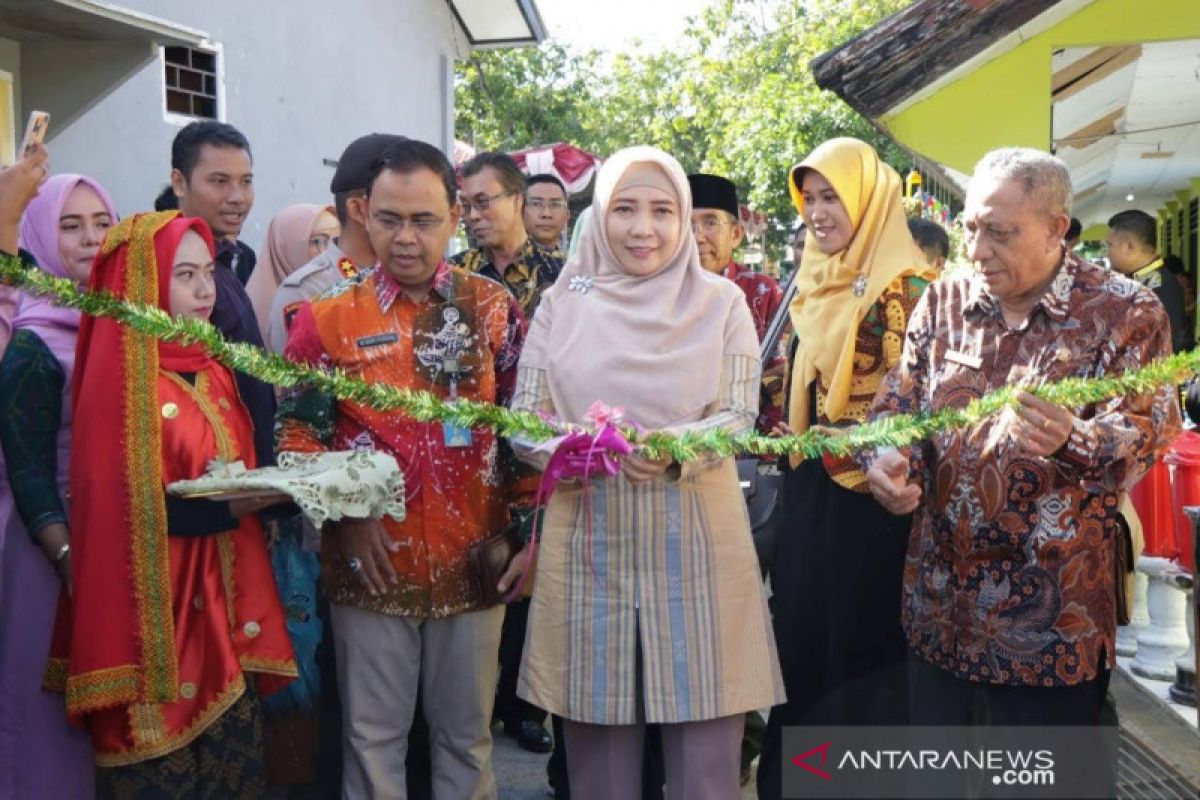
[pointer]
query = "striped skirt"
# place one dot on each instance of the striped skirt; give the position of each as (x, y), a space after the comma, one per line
(670, 563)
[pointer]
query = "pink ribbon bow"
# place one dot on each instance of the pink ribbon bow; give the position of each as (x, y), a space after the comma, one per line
(581, 455)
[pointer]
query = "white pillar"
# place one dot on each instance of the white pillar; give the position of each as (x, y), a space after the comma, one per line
(1139, 617)
(1165, 638)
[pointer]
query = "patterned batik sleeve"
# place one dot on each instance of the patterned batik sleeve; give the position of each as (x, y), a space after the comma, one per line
(1112, 444)
(899, 303)
(31, 385)
(508, 352)
(304, 421)
(905, 383)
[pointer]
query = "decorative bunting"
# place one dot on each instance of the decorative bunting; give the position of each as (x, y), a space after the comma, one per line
(895, 431)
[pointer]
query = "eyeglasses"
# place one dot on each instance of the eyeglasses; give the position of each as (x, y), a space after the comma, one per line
(482, 202)
(537, 204)
(395, 224)
(710, 225)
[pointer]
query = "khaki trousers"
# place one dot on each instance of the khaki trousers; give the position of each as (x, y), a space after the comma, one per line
(382, 661)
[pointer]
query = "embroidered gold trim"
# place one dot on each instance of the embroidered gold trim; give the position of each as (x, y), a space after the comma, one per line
(271, 666)
(54, 679)
(225, 554)
(172, 742)
(226, 450)
(103, 688)
(146, 725)
(143, 463)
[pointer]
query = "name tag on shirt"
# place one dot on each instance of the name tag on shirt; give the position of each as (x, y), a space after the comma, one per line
(974, 362)
(377, 340)
(454, 436)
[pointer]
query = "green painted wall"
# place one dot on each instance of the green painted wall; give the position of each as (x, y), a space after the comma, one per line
(1006, 102)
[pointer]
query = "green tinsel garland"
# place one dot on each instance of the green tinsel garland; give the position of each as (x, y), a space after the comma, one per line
(895, 431)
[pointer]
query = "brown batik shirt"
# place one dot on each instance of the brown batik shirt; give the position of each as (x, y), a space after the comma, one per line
(1009, 576)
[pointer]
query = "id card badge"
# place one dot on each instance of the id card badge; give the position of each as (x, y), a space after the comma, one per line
(454, 436)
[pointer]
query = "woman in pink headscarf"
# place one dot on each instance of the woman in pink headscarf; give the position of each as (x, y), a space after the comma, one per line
(647, 602)
(40, 754)
(296, 235)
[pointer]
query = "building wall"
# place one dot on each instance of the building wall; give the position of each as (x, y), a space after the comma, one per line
(1176, 239)
(10, 62)
(301, 80)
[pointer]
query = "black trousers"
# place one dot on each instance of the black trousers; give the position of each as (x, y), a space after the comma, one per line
(511, 709)
(937, 697)
(837, 583)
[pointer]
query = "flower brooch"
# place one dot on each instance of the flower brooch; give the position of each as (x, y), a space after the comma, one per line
(581, 284)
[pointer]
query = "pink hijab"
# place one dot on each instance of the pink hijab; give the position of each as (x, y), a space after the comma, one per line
(58, 328)
(286, 251)
(652, 345)
(55, 326)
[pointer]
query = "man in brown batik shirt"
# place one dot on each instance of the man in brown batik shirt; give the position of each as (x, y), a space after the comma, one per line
(1009, 583)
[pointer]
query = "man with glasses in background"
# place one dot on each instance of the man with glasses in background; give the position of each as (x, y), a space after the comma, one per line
(493, 199)
(546, 211)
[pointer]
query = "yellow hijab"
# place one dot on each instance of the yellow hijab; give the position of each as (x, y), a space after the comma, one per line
(825, 312)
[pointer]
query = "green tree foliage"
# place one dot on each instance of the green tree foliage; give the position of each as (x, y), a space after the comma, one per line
(736, 96)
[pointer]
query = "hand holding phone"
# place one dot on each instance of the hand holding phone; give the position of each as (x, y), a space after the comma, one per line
(18, 185)
(35, 132)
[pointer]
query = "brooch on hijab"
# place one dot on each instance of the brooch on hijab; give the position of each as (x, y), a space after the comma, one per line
(581, 284)
(860, 285)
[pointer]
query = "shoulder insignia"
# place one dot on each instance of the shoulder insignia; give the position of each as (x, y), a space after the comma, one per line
(289, 313)
(343, 285)
(347, 268)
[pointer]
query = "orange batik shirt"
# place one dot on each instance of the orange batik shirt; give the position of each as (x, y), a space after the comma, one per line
(462, 341)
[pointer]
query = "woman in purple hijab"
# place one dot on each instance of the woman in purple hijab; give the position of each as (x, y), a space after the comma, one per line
(40, 754)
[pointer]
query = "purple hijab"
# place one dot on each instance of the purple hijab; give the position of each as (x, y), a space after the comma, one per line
(39, 235)
(40, 754)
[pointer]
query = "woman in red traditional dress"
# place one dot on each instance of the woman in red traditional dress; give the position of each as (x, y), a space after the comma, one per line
(172, 601)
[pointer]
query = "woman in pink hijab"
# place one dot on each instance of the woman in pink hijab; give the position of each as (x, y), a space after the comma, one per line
(40, 754)
(296, 235)
(647, 602)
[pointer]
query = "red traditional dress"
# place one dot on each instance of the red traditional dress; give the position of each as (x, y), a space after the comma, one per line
(153, 646)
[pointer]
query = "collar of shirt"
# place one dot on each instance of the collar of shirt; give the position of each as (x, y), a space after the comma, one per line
(1148, 269)
(519, 257)
(227, 249)
(387, 289)
(1055, 301)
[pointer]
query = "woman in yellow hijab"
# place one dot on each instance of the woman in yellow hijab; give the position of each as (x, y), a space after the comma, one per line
(840, 556)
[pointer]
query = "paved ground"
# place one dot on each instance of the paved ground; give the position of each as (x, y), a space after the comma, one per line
(520, 775)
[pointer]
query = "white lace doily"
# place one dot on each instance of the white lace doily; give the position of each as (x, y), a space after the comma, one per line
(326, 486)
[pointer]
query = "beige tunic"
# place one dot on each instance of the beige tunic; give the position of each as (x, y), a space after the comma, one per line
(669, 564)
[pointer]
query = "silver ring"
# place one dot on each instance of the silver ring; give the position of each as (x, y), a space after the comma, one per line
(355, 564)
